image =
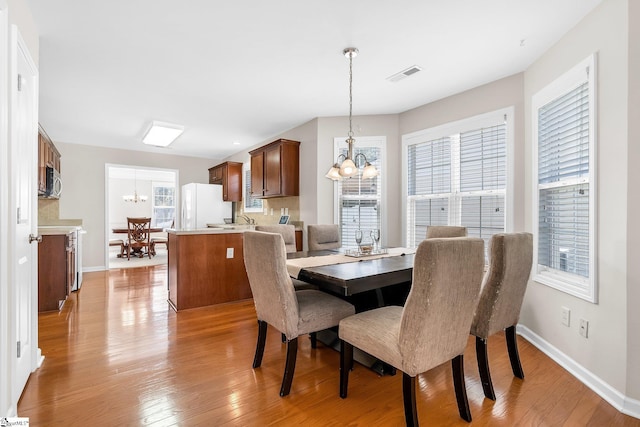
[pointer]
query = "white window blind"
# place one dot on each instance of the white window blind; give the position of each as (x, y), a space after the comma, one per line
(250, 204)
(458, 179)
(164, 208)
(564, 140)
(359, 204)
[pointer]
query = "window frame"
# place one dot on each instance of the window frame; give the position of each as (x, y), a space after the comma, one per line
(339, 143)
(484, 120)
(246, 191)
(572, 284)
(162, 184)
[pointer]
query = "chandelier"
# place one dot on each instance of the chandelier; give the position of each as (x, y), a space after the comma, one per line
(348, 167)
(135, 198)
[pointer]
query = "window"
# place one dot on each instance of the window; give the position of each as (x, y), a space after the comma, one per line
(250, 204)
(456, 174)
(164, 206)
(359, 200)
(564, 171)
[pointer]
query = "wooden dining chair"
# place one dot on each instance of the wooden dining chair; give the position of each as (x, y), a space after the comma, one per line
(323, 236)
(139, 236)
(160, 241)
(293, 313)
(510, 259)
(432, 326)
(441, 231)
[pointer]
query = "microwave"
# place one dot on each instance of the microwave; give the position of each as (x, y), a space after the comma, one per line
(54, 183)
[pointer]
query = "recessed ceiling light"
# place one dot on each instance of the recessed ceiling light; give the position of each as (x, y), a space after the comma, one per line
(236, 142)
(162, 134)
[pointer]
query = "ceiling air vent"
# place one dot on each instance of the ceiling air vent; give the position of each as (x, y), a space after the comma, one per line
(404, 73)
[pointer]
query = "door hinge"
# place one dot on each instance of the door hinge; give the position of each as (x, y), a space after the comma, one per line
(19, 82)
(18, 215)
(18, 349)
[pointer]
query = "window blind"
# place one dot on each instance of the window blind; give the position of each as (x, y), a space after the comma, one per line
(458, 180)
(359, 200)
(563, 182)
(251, 204)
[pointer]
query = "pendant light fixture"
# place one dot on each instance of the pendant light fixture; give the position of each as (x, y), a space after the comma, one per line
(348, 167)
(134, 197)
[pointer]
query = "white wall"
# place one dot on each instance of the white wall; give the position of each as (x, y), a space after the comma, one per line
(83, 197)
(604, 353)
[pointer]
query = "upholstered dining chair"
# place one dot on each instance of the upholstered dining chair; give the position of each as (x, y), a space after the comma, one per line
(323, 236)
(431, 327)
(288, 233)
(440, 231)
(278, 304)
(160, 240)
(139, 236)
(503, 289)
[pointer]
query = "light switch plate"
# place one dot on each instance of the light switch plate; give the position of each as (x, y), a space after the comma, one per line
(229, 252)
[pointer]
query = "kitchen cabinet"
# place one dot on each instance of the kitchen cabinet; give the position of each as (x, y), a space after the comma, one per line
(48, 156)
(229, 175)
(56, 270)
(206, 269)
(275, 169)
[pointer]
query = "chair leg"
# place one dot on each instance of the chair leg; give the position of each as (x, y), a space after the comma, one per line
(290, 366)
(483, 368)
(457, 365)
(346, 364)
(262, 338)
(314, 339)
(283, 337)
(512, 347)
(409, 397)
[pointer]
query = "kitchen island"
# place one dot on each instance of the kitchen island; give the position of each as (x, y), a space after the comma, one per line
(206, 266)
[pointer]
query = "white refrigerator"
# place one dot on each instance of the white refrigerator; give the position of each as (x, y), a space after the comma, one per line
(202, 204)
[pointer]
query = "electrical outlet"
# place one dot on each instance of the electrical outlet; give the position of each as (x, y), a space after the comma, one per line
(229, 252)
(584, 328)
(566, 316)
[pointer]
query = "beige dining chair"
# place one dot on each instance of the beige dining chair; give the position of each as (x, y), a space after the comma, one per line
(293, 313)
(288, 233)
(440, 231)
(323, 236)
(503, 289)
(432, 326)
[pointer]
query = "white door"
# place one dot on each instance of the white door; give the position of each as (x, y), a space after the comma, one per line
(23, 151)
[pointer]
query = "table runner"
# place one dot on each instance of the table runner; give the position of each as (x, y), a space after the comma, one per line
(295, 265)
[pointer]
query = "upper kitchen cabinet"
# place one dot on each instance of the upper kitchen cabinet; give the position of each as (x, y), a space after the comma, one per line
(48, 157)
(275, 169)
(229, 175)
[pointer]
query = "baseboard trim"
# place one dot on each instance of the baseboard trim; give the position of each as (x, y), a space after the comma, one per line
(92, 269)
(618, 400)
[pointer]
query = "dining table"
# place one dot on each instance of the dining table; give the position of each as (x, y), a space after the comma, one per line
(136, 251)
(366, 280)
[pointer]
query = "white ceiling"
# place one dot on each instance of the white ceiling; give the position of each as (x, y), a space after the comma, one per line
(245, 71)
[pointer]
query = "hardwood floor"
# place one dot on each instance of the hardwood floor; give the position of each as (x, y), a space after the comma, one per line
(117, 355)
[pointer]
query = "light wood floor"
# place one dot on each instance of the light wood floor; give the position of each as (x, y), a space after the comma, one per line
(117, 355)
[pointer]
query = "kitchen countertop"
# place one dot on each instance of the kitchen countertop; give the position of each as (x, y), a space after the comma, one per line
(51, 230)
(221, 229)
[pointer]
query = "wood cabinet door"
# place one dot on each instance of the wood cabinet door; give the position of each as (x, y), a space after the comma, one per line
(257, 174)
(272, 185)
(233, 182)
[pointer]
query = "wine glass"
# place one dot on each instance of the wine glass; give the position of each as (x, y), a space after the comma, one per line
(375, 235)
(358, 237)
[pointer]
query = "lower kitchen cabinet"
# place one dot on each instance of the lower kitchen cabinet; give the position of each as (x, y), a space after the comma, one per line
(56, 270)
(206, 269)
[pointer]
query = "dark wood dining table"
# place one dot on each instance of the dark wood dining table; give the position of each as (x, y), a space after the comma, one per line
(136, 251)
(362, 283)
(362, 275)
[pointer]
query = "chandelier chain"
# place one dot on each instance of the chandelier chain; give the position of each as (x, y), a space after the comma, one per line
(350, 92)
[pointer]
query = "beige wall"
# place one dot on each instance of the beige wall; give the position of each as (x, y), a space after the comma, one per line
(604, 353)
(83, 197)
(493, 96)
(633, 200)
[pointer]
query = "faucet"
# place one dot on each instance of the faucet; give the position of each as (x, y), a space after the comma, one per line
(250, 221)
